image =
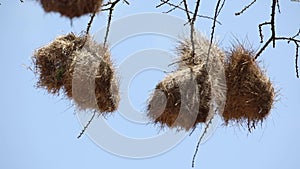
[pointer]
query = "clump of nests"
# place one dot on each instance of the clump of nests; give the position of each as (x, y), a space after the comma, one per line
(250, 93)
(183, 99)
(79, 68)
(234, 85)
(71, 8)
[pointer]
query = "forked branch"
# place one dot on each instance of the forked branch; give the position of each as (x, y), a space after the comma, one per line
(179, 6)
(110, 6)
(288, 39)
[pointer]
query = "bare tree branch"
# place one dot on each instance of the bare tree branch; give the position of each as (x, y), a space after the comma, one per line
(273, 38)
(196, 10)
(186, 10)
(163, 2)
(191, 21)
(272, 24)
(220, 9)
(199, 141)
(92, 16)
(217, 12)
(245, 8)
(278, 6)
(260, 30)
(263, 47)
(173, 7)
(110, 7)
(167, 2)
(296, 60)
(273, 7)
(87, 125)
(288, 39)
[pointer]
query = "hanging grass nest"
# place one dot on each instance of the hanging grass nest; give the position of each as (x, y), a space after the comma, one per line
(52, 64)
(192, 93)
(182, 99)
(71, 8)
(81, 69)
(94, 84)
(250, 93)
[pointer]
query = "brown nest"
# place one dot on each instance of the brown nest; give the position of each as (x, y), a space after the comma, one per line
(250, 94)
(212, 57)
(52, 63)
(81, 69)
(94, 84)
(182, 99)
(188, 96)
(71, 8)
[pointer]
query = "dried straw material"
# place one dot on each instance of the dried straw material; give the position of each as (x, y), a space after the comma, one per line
(250, 94)
(52, 64)
(196, 91)
(182, 99)
(94, 85)
(71, 8)
(202, 45)
(81, 69)
(213, 58)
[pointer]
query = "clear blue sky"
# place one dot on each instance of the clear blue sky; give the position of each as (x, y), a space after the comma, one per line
(39, 130)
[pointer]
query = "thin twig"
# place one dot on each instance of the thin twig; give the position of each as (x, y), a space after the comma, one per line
(217, 12)
(90, 23)
(260, 30)
(87, 125)
(273, 7)
(296, 61)
(186, 11)
(191, 21)
(245, 8)
(194, 128)
(110, 9)
(220, 9)
(263, 48)
(196, 10)
(290, 39)
(174, 7)
(199, 141)
(278, 6)
(108, 26)
(273, 33)
(163, 2)
(297, 34)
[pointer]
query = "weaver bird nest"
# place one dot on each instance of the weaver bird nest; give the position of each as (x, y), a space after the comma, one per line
(250, 94)
(185, 98)
(182, 99)
(235, 88)
(71, 8)
(81, 69)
